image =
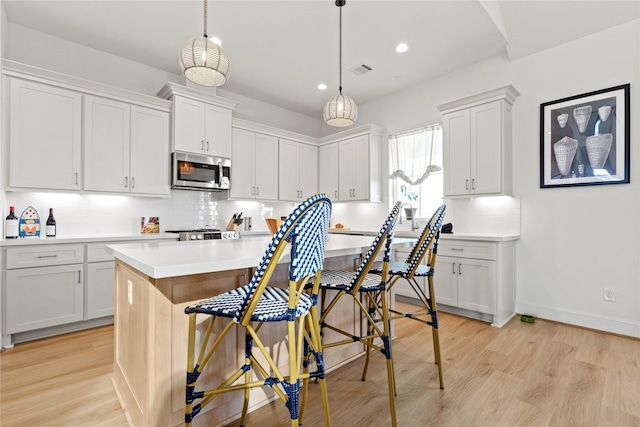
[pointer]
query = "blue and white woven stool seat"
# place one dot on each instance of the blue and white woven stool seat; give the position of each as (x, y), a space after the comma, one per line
(402, 268)
(272, 307)
(341, 281)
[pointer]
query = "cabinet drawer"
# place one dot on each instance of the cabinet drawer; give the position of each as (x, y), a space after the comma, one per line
(468, 249)
(44, 255)
(97, 252)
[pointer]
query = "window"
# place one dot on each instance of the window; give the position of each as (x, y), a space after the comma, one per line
(416, 167)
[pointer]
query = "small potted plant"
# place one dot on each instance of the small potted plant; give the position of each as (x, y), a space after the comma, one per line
(411, 197)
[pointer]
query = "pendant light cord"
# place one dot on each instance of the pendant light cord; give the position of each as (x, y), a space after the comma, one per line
(340, 61)
(205, 19)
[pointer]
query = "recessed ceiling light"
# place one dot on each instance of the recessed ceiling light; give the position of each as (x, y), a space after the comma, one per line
(322, 86)
(402, 47)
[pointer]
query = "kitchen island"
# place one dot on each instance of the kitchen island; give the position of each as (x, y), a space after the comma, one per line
(156, 281)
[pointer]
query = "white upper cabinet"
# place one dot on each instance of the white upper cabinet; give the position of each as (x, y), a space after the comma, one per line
(477, 144)
(328, 173)
(149, 151)
(45, 136)
(298, 164)
(201, 122)
(254, 172)
(126, 148)
(350, 168)
(107, 138)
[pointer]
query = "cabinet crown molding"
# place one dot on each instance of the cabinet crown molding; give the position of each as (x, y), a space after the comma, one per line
(54, 78)
(507, 93)
(171, 89)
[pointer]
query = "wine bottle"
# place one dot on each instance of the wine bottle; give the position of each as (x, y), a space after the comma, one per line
(11, 225)
(51, 224)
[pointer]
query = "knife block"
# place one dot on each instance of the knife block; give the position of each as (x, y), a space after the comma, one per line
(232, 226)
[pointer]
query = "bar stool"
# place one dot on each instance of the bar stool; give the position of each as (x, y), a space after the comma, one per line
(368, 290)
(305, 230)
(410, 269)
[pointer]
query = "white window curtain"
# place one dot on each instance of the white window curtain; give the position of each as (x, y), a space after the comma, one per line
(416, 154)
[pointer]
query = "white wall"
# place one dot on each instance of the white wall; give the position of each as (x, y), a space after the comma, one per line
(576, 240)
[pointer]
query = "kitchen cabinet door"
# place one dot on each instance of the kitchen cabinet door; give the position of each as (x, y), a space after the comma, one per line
(298, 165)
(353, 170)
(289, 166)
(242, 165)
(254, 171)
(41, 297)
(477, 285)
(328, 171)
(457, 152)
(308, 171)
(106, 144)
(445, 280)
(266, 167)
(45, 135)
(486, 148)
(188, 125)
(217, 131)
(100, 289)
(149, 151)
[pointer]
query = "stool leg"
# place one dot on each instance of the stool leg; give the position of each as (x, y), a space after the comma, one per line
(248, 349)
(434, 330)
(386, 339)
(190, 367)
(316, 343)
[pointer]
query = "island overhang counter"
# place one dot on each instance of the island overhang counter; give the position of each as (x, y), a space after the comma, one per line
(155, 281)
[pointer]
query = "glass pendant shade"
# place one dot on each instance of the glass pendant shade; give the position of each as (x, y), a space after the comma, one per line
(204, 62)
(340, 111)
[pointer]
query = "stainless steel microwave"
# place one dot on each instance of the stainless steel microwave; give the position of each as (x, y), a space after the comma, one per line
(196, 172)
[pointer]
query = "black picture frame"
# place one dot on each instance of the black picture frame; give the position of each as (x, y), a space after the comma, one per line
(584, 139)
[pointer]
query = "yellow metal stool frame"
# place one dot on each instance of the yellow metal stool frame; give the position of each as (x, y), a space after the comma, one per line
(367, 290)
(426, 246)
(305, 230)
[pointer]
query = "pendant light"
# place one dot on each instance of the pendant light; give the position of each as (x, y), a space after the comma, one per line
(340, 110)
(203, 61)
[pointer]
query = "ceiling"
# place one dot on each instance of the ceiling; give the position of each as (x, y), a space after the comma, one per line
(281, 50)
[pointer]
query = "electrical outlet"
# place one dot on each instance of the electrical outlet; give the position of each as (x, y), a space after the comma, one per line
(609, 294)
(129, 291)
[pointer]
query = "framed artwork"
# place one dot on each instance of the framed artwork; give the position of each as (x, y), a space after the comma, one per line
(584, 139)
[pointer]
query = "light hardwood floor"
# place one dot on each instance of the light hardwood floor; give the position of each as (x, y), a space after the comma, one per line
(542, 374)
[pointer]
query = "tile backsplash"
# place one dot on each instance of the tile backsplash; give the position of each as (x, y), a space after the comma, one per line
(102, 214)
(484, 215)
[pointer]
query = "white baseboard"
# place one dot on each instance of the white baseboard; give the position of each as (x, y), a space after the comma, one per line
(583, 319)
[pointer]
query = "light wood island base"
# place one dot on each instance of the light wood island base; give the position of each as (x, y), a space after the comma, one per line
(151, 343)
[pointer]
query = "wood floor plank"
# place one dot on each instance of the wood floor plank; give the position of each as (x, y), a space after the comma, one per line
(544, 374)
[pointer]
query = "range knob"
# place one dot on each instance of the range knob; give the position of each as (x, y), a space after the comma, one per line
(192, 237)
(199, 237)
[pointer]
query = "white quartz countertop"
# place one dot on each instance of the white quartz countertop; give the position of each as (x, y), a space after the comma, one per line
(443, 236)
(28, 241)
(171, 259)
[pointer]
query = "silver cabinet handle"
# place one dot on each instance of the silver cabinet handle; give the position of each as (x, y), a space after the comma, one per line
(473, 184)
(207, 146)
(47, 256)
(202, 145)
(354, 192)
(460, 268)
(253, 191)
(133, 182)
(335, 193)
(457, 249)
(453, 268)
(75, 177)
(79, 277)
(126, 181)
(257, 191)
(466, 184)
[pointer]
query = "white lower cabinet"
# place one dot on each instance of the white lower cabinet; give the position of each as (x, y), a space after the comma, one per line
(472, 278)
(44, 296)
(49, 289)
